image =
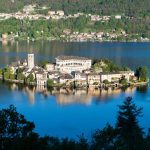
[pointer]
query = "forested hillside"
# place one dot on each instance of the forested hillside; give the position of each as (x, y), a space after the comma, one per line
(103, 7)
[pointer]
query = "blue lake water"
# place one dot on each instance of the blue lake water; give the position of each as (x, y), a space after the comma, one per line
(68, 114)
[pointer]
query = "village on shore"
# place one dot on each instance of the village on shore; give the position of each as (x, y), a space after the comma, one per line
(68, 71)
(30, 12)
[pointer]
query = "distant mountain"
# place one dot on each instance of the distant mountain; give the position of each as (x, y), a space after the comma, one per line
(104, 7)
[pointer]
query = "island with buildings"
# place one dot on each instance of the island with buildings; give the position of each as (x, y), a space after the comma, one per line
(73, 71)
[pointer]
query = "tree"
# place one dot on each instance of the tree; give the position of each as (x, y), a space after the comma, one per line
(82, 143)
(123, 81)
(8, 73)
(20, 76)
(142, 74)
(106, 82)
(50, 83)
(13, 125)
(30, 79)
(105, 139)
(129, 132)
(1, 71)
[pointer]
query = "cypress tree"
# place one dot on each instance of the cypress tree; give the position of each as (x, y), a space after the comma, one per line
(130, 134)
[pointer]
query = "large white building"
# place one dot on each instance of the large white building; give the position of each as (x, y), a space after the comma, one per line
(30, 61)
(69, 64)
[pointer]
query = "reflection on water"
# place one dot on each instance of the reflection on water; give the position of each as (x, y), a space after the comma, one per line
(68, 112)
(66, 96)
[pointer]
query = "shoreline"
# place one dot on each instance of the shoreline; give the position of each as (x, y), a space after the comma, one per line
(74, 41)
(101, 86)
(73, 72)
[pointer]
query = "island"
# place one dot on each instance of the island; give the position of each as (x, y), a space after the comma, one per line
(73, 71)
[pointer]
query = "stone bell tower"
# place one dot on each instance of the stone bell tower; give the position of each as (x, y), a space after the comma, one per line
(30, 61)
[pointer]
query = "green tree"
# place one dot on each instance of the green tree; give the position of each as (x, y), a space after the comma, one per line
(123, 81)
(13, 126)
(105, 139)
(20, 76)
(106, 82)
(50, 83)
(8, 73)
(30, 79)
(129, 132)
(142, 74)
(1, 71)
(82, 143)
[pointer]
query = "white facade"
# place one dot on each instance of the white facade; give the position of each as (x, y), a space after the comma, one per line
(80, 76)
(66, 78)
(111, 77)
(31, 61)
(93, 78)
(50, 67)
(116, 76)
(69, 64)
(118, 17)
(41, 79)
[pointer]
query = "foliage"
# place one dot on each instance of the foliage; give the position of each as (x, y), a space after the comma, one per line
(53, 29)
(50, 83)
(136, 24)
(106, 66)
(129, 131)
(106, 82)
(1, 71)
(123, 81)
(30, 79)
(13, 126)
(44, 63)
(102, 7)
(8, 73)
(105, 138)
(142, 74)
(19, 70)
(20, 76)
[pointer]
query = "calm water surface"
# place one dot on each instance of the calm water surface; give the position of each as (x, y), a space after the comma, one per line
(69, 113)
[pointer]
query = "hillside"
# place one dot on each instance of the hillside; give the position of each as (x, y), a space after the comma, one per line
(103, 7)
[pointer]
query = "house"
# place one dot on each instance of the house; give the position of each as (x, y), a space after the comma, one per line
(66, 79)
(28, 9)
(128, 74)
(51, 13)
(80, 78)
(110, 77)
(69, 64)
(93, 79)
(118, 17)
(50, 67)
(115, 77)
(41, 78)
(60, 13)
(100, 35)
(53, 75)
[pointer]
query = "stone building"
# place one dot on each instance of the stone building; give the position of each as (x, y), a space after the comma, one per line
(93, 79)
(30, 61)
(41, 78)
(69, 64)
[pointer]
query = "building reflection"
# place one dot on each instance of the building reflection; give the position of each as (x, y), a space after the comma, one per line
(67, 96)
(63, 99)
(31, 94)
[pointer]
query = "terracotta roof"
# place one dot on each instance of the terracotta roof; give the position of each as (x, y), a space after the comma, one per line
(71, 57)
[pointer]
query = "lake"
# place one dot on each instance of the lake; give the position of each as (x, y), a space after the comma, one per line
(69, 113)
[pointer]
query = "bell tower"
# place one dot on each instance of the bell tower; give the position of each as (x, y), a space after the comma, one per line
(30, 61)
